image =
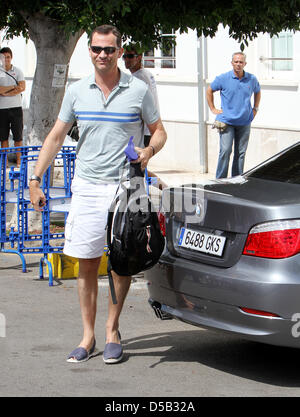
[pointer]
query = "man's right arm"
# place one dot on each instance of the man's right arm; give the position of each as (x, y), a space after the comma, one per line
(14, 90)
(210, 101)
(50, 148)
(6, 89)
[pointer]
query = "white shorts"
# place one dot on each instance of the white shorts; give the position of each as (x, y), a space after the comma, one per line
(85, 234)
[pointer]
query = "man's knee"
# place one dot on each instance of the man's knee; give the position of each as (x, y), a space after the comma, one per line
(119, 278)
(225, 152)
(88, 267)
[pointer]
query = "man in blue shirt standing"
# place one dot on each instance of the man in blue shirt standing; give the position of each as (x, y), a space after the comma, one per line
(236, 88)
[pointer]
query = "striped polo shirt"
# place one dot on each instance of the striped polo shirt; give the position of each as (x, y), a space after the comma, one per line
(105, 125)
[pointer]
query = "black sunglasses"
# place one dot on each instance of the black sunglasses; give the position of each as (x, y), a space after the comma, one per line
(108, 50)
(130, 56)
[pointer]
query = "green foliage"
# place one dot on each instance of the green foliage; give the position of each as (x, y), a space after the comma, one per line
(143, 20)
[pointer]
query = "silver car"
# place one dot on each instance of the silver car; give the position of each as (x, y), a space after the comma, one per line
(232, 255)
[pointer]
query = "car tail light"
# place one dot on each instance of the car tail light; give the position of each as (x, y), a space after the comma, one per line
(258, 312)
(279, 239)
(162, 222)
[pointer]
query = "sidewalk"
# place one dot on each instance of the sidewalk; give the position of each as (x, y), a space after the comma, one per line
(177, 177)
(40, 325)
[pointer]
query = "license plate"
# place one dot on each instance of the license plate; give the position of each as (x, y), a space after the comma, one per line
(202, 242)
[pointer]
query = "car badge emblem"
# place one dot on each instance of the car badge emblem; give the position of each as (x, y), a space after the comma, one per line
(198, 210)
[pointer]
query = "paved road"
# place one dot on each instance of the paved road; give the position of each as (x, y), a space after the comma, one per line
(162, 358)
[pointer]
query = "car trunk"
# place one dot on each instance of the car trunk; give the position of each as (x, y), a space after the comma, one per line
(220, 215)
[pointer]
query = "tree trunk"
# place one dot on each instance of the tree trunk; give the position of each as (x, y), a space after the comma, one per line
(54, 49)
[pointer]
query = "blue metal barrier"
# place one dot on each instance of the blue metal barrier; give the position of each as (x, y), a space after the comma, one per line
(149, 181)
(57, 200)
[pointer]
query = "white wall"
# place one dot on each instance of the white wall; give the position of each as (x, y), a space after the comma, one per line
(280, 91)
(80, 63)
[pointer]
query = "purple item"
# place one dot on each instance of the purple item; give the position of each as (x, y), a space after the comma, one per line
(130, 152)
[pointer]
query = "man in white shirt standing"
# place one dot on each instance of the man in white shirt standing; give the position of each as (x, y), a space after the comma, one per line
(133, 62)
(12, 84)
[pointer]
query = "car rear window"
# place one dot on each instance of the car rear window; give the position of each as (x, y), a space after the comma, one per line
(283, 167)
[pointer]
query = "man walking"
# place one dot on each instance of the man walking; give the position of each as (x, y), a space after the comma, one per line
(133, 62)
(109, 106)
(236, 88)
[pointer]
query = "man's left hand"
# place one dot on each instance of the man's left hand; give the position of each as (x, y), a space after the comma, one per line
(144, 155)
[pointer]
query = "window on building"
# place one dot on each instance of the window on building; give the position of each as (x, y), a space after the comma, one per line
(282, 51)
(148, 59)
(164, 56)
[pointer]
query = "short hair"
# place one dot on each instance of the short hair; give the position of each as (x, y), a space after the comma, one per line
(132, 46)
(105, 30)
(6, 50)
(239, 53)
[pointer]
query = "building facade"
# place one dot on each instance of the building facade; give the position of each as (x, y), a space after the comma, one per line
(183, 73)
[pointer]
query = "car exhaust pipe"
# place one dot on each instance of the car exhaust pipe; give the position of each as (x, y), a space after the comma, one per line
(158, 311)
